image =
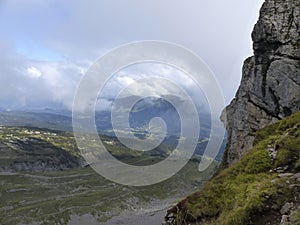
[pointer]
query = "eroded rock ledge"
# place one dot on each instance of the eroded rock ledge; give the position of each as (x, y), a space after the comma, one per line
(270, 85)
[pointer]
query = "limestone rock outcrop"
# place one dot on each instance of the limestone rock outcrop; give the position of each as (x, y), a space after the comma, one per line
(270, 85)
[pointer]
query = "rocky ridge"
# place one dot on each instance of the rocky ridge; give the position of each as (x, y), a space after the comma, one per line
(270, 85)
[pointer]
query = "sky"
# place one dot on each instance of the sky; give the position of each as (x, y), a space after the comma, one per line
(46, 46)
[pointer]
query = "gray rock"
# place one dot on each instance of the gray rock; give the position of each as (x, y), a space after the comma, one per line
(282, 175)
(286, 208)
(281, 169)
(272, 152)
(270, 85)
(284, 220)
(292, 186)
(296, 176)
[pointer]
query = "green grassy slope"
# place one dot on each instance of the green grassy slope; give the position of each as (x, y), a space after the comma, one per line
(34, 149)
(253, 190)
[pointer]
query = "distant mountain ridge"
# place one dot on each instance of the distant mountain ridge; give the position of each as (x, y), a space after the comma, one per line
(139, 118)
(41, 119)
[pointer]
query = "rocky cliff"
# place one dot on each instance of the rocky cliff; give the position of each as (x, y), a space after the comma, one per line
(270, 85)
(262, 187)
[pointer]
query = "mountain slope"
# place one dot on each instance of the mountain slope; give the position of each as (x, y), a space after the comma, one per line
(262, 188)
(36, 149)
(41, 119)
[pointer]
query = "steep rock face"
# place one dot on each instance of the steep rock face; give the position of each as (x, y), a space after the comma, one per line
(270, 86)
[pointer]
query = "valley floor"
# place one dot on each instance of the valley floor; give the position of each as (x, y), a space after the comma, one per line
(69, 196)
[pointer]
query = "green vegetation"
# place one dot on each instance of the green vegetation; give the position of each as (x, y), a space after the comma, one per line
(53, 197)
(295, 218)
(28, 149)
(250, 189)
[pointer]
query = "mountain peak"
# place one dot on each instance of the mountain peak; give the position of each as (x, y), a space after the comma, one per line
(270, 85)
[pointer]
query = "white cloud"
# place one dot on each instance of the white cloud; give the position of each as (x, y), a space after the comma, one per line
(153, 87)
(124, 80)
(215, 30)
(33, 72)
(104, 104)
(31, 83)
(61, 79)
